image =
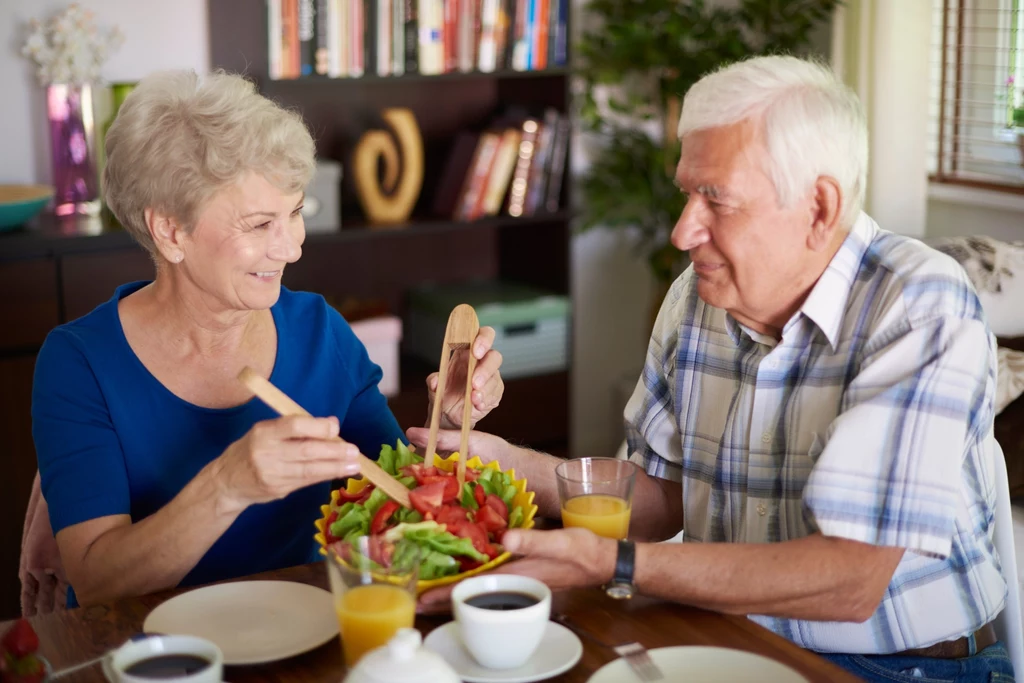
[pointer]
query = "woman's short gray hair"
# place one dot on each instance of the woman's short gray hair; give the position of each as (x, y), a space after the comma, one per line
(814, 125)
(178, 139)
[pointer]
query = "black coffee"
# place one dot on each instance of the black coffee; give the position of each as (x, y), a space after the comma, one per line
(502, 600)
(168, 666)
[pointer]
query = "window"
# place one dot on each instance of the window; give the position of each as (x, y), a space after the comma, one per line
(977, 82)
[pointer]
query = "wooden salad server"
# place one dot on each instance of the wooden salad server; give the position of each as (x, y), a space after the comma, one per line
(463, 327)
(285, 406)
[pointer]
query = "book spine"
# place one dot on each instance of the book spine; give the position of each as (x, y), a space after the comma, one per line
(370, 37)
(540, 43)
(398, 37)
(412, 37)
(274, 39)
(560, 53)
(321, 25)
(521, 175)
(559, 158)
(307, 37)
(383, 37)
(539, 165)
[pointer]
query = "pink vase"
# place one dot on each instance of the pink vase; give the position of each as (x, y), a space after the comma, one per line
(69, 109)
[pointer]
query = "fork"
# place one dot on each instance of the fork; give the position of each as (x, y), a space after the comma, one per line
(635, 654)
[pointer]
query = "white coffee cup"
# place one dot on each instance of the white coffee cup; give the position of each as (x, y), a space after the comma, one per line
(501, 639)
(133, 652)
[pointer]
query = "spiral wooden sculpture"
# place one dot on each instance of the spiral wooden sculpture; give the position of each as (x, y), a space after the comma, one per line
(390, 199)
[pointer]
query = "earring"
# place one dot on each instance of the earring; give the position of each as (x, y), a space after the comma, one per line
(178, 258)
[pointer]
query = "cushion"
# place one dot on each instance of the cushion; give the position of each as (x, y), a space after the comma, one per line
(996, 269)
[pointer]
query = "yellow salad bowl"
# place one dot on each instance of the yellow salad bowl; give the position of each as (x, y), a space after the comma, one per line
(523, 499)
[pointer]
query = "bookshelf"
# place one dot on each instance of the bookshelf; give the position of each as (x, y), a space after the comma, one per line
(361, 261)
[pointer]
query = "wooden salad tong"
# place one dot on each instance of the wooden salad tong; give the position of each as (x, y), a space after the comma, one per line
(283, 405)
(463, 327)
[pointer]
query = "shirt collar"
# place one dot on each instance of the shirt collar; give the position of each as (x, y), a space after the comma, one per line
(826, 304)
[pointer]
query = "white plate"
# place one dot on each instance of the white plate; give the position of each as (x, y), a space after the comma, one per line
(559, 651)
(705, 664)
(251, 621)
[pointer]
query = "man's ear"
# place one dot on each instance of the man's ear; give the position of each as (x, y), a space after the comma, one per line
(826, 208)
(167, 235)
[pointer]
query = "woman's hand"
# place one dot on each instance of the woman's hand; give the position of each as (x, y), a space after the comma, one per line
(277, 457)
(487, 383)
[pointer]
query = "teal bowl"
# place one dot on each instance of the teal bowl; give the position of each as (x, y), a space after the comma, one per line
(20, 203)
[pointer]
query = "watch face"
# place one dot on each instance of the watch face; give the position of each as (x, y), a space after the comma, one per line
(620, 591)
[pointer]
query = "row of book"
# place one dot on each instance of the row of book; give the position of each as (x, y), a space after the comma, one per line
(355, 38)
(516, 167)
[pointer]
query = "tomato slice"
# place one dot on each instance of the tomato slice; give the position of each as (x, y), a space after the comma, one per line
(428, 497)
(479, 495)
(420, 471)
(499, 506)
(451, 514)
(467, 564)
(489, 519)
(357, 497)
(380, 520)
(451, 485)
(475, 533)
(331, 518)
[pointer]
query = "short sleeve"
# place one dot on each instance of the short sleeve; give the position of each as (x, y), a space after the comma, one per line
(652, 433)
(81, 463)
(369, 422)
(889, 473)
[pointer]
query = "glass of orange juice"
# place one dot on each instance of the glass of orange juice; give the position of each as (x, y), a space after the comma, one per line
(597, 494)
(372, 601)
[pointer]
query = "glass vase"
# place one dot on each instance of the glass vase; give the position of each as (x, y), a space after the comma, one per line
(69, 109)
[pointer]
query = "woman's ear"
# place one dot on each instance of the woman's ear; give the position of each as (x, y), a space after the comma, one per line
(826, 208)
(167, 235)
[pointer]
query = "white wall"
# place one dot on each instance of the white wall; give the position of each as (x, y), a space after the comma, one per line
(158, 35)
(881, 50)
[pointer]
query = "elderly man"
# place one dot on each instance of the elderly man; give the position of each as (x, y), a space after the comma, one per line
(815, 410)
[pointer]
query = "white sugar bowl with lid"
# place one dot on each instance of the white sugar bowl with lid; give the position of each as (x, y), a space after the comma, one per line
(402, 660)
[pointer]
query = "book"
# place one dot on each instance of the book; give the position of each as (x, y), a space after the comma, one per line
(275, 39)
(412, 37)
(454, 173)
(307, 37)
(559, 159)
(470, 205)
(521, 174)
(501, 171)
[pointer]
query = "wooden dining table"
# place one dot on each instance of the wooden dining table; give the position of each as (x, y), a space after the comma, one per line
(73, 636)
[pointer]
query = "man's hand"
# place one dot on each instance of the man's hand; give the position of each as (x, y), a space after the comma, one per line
(565, 558)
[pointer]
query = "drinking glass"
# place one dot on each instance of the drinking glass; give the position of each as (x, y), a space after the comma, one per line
(372, 601)
(597, 494)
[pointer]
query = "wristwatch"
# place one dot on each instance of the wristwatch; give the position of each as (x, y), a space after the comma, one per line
(621, 587)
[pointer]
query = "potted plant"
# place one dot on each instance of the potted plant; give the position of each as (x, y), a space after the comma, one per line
(647, 54)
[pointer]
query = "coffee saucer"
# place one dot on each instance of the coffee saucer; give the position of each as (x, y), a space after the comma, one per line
(559, 650)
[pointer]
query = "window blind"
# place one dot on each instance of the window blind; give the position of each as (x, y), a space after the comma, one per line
(976, 127)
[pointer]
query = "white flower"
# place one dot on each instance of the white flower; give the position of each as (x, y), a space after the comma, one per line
(69, 48)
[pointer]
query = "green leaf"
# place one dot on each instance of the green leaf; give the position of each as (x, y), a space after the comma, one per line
(376, 499)
(516, 518)
(355, 518)
(386, 460)
(467, 500)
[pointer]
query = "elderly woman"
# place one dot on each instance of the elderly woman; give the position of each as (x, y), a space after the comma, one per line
(160, 469)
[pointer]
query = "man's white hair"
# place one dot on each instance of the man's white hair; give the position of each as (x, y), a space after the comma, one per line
(813, 124)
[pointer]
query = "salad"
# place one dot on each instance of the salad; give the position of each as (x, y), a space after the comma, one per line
(456, 529)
